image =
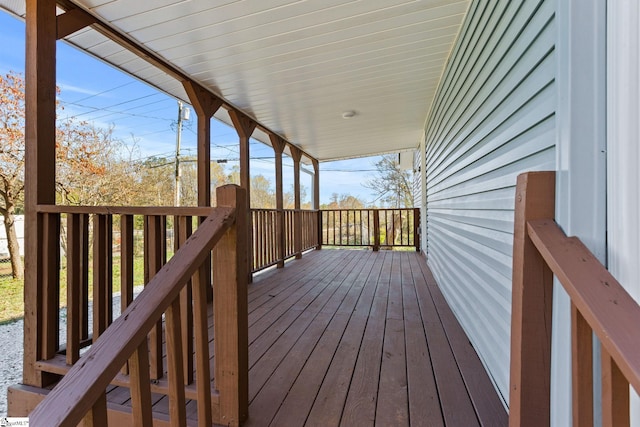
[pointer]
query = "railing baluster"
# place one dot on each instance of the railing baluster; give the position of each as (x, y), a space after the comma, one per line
(582, 367)
(201, 330)
(615, 393)
(154, 261)
(74, 285)
(100, 279)
(140, 384)
(51, 284)
(84, 288)
(97, 416)
(126, 266)
(177, 411)
(184, 228)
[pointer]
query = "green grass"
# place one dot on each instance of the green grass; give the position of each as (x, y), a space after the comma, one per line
(12, 290)
(11, 303)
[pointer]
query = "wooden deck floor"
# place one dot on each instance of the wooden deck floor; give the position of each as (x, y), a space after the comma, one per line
(357, 338)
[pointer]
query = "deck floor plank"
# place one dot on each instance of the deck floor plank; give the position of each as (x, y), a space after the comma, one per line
(277, 387)
(457, 408)
(297, 404)
(424, 404)
(392, 408)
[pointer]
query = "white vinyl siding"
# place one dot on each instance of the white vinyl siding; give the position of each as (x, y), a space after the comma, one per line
(493, 118)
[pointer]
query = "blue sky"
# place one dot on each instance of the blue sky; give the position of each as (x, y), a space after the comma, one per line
(145, 118)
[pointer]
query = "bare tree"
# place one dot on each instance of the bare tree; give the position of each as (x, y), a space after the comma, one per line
(391, 185)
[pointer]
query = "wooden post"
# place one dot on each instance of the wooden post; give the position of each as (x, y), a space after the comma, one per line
(316, 200)
(205, 104)
(278, 148)
(417, 238)
(376, 230)
(40, 140)
(244, 127)
(230, 311)
(529, 395)
(296, 155)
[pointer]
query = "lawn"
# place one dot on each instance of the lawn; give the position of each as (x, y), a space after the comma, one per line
(12, 303)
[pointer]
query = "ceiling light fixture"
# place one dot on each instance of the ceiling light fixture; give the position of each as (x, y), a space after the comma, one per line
(348, 114)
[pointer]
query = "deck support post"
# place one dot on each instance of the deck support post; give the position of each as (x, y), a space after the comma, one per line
(278, 145)
(530, 388)
(40, 173)
(296, 155)
(230, 311)
(244, 127)
(316, 201)
(205, 104)
(376, 230)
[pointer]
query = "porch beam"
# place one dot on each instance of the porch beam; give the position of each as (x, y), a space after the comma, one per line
(71, 21)
(40, 172)
(296, 155)
(205, 104)
(139, 50)
(278, 145)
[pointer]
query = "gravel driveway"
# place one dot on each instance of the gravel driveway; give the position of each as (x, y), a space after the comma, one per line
(11, 340)
(10, 359)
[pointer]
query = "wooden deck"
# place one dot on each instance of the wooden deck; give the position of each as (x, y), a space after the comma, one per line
(355, 338)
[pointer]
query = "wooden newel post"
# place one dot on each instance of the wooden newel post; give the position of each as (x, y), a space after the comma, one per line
(529, 391)
(230, 311)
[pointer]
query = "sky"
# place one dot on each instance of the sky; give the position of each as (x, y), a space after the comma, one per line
(146, 119)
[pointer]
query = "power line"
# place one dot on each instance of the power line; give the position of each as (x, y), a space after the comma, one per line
(105, 91)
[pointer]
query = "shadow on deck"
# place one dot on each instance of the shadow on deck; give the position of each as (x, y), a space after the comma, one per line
(361, 338)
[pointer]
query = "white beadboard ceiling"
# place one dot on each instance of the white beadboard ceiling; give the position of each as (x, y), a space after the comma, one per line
(294, 66)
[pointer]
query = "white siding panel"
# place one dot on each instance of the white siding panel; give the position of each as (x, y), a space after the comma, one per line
(493, 118)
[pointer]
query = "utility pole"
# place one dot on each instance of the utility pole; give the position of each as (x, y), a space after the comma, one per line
(183, 114)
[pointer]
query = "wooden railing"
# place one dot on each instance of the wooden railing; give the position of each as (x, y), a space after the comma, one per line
(279, 235)
(371, 227)
(599, 304)
(128, 352)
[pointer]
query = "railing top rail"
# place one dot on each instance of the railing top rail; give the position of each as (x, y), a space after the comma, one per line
(610, 311)
(129, 210)
(77, 391)
(367, 209)
(283, 210)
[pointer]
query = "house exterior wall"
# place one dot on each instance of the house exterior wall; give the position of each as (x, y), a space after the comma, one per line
(623, 150)
(493, 117)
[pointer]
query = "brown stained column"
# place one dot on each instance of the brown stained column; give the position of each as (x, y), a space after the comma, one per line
(205, 104)
(296, 155)
(316, 199)
(532, 290)
(40, 172)
(278, 148)
(245, 127)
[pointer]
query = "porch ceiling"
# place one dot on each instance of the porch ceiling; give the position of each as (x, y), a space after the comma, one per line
(294, 66)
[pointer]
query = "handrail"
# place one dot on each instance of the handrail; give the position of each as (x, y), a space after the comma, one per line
(607, 307)
(599, 304)
(81, 391)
